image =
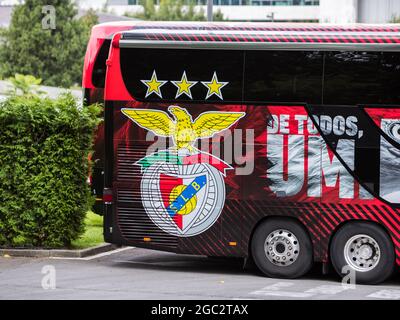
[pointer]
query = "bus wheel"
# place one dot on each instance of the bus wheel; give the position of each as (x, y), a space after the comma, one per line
(364, 248)
(281, 248)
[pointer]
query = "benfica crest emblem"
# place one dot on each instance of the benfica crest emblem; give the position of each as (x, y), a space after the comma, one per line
(182, 188)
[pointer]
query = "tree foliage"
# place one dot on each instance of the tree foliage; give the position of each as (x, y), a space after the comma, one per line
(395, 19)
(44, 147)
(54, 55)
(173, 10)
(25, 85)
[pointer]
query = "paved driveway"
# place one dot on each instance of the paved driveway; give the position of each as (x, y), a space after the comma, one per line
(132, 273)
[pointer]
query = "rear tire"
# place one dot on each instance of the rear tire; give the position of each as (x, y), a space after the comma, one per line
(365, 248)
(281, 248)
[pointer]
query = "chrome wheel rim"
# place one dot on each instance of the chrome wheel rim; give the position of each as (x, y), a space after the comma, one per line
(282, 247)
(362, 253)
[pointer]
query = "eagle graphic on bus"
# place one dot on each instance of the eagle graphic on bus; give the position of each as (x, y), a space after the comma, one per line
(182, 188)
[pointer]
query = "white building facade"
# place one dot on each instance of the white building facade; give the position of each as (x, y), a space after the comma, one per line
(242, 10)
(361, 11)
(324, 11)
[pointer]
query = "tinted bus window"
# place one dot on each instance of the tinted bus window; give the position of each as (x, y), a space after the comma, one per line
(99, 68)
(283, 76)
(362, 78)
(223, 68)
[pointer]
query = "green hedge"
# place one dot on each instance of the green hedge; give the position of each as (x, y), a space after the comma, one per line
(44, 147)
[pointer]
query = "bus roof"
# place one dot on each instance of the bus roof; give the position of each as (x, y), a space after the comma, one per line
(241, 35)
(174, 26)
(221, 35)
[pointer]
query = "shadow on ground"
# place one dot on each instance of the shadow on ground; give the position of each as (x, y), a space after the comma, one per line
(170, 262)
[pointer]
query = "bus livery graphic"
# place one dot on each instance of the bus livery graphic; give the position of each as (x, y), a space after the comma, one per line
(312, 165)
(182, 188)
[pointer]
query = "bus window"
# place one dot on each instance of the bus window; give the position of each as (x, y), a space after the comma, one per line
(200, 67)
(283, 76)
(362, 78)
(99, 69)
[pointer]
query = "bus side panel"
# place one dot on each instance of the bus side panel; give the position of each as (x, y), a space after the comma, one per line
(363, 142)
(93, 83)
(317, 172)
(91, 96)
(280, 166)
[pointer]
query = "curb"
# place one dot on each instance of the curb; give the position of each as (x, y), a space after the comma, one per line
(58, 253)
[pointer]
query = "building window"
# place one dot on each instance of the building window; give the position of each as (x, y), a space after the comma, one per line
(285, 2)
(246, 2)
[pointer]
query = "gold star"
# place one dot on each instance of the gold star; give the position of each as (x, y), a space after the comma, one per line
(153, 85)
(184, 86)
(214, 87)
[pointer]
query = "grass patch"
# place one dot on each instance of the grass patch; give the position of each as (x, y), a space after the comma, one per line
(93, 232)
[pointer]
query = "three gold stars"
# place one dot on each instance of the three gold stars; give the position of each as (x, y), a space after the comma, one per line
(184, 86)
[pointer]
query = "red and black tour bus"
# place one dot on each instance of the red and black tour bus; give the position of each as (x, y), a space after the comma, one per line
(279, 142)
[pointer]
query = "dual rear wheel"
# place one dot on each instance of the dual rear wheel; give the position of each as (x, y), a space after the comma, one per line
(364, 248)
(281, 248)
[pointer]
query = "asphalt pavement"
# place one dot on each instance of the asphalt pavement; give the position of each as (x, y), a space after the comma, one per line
(132, 273)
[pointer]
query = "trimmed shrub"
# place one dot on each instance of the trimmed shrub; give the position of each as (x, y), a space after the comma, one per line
(44, 147)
